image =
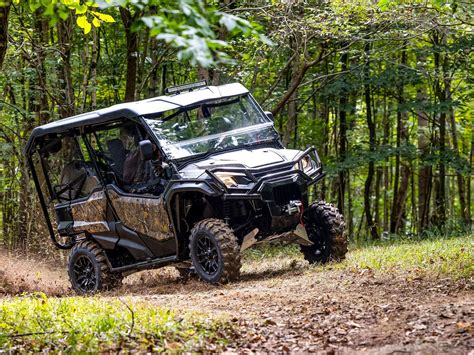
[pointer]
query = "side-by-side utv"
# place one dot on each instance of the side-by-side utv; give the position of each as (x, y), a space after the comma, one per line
(188, 179)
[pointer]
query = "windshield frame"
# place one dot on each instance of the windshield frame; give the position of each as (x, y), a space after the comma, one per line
(268, 123)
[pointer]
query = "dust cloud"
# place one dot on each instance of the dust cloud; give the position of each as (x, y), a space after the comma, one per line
(19, 274)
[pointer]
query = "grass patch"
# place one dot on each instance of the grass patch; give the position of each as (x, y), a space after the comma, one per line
(437, 256)
(37, 323)
(453, 257)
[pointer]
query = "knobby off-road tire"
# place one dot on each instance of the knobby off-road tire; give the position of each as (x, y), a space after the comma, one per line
(326, 229)
(215, 252)
(88, 270)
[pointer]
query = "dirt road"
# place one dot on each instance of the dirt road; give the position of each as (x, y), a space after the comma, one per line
(286, 305)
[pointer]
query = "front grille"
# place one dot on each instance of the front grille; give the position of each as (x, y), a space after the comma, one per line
(283, 194)
(265, 172)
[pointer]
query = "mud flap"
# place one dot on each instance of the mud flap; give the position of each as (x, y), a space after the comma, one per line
(298, 236)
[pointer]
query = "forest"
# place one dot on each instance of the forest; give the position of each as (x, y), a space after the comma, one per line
(382, 89)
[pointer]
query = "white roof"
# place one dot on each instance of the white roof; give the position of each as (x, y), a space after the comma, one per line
(165, 103)
(139, 108)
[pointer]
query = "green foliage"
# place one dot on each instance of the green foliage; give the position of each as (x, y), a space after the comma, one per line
(435, 257)
(60, 10)
(437, 254)
(360, 155)
(190, 26)
(406, 53)
(36, 323)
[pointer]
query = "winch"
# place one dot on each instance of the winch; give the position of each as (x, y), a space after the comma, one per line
(293, 207)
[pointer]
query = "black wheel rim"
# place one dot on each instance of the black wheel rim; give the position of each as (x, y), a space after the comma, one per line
(84, 274)
(207, 254)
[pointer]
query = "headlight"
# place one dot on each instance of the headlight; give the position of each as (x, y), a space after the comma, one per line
(233, 179)
(227, 179)
(306, 164)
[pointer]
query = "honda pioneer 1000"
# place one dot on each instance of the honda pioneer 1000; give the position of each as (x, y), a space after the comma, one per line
(190, 179)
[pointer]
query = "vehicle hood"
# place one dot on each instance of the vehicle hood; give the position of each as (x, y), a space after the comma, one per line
(243, 158)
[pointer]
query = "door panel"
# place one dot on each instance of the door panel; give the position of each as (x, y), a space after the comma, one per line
(90, 215)
(143, 214)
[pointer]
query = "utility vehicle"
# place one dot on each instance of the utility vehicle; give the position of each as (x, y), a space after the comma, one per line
(191, 179)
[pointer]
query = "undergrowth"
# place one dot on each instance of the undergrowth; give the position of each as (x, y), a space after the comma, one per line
(432, 256)
(37, 323)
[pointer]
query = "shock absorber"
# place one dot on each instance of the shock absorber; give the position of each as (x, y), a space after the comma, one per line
(227, 210)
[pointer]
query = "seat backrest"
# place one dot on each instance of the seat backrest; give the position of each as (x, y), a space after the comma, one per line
(71, 173)
(117, 153)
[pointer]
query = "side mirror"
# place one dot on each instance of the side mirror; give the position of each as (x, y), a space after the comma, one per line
(269, 115)
(146, 150)
(168, 170)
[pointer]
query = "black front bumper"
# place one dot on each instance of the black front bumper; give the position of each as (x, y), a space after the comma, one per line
(285, 198)
(280, 188)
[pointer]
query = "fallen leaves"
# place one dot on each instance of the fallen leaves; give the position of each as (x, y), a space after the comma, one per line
(301, 309)
(464, 327)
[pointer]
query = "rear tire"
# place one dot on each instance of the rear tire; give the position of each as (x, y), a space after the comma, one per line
(326, 229)
(215, 252)
(88, 270)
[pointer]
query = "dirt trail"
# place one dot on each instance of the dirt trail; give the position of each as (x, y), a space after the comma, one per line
(285, 305)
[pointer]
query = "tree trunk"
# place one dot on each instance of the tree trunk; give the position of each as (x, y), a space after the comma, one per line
(469, 195)
(372, 144)
(460, 179)
(65, 30)
(325, 144)
(40, 104)
(386, 183)
(424, 171)
(222, 36)
(204, 74)
(4, 12)
(85, 76)
(132, 53)
(292, 115)
(378, 183)
(400, 190)
(350, 212)
(94, 60)
(23, 207)
(342, 133)
(440, 90)
(414, 209)
(153, 86)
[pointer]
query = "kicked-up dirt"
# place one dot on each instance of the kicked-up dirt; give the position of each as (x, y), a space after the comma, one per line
(19, 274)
(284, 305)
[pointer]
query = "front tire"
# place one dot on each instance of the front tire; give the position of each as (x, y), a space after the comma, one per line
(215, 252)
(88, 270)
(326, 229)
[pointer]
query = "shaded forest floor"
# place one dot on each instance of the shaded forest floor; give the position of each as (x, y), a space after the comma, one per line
(283, 304)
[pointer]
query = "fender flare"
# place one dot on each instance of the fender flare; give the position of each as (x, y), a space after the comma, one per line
(177, 187)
